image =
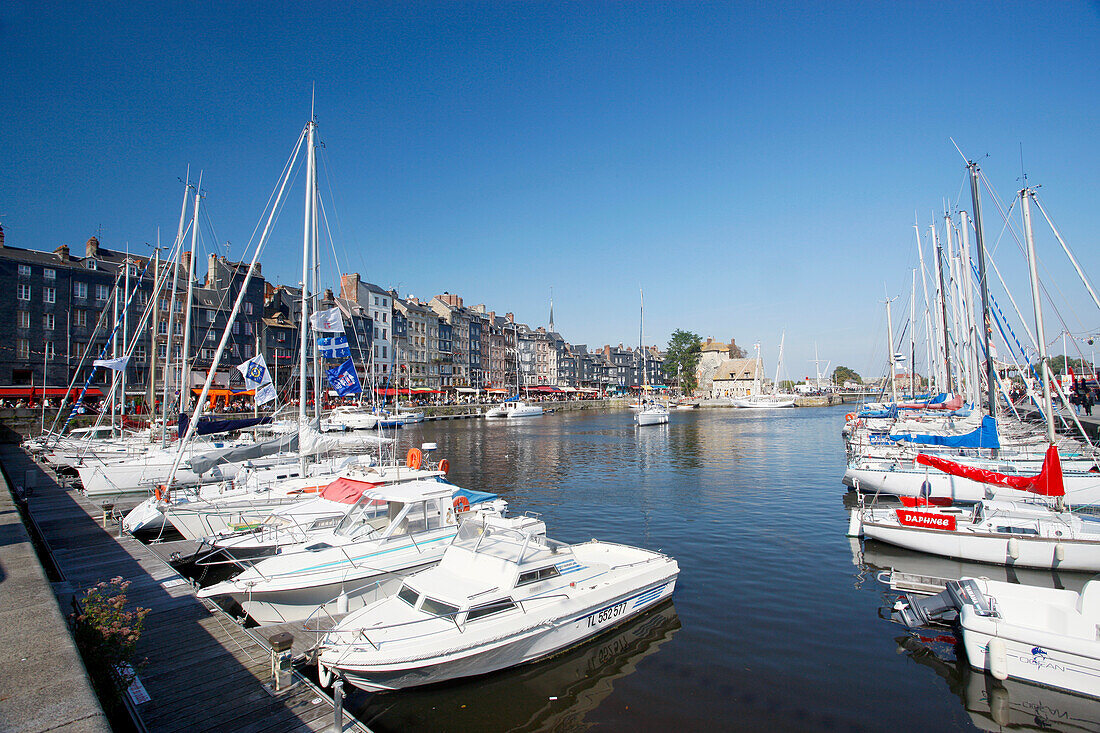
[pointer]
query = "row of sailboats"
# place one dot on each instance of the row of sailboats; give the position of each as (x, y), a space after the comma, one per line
(440, 578)
(935, 475)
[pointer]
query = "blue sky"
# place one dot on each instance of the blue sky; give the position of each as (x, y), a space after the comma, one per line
(754, 167)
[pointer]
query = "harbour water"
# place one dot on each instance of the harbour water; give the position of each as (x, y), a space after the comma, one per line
(772, 626)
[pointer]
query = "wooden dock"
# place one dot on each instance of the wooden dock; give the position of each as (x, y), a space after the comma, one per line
(204, 672)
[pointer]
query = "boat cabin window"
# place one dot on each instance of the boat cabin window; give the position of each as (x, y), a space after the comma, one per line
(408, 595)
(438, 608)
(534, 576)
(488, 609)
(1018, 530)
(319, 546)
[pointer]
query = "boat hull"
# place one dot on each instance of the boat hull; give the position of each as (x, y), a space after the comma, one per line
(529, 646)
(1031, 551)
(1080, 489)
(651, 418)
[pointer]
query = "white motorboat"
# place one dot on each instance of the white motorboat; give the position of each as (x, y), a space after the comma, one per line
(353, 417)
(1043, 635)
(765, 401)
(514, 408)
(652, 413)
(198, 515)
(499, 597)
(391, 532)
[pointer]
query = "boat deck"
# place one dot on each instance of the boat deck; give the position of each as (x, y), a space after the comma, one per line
(203, 670)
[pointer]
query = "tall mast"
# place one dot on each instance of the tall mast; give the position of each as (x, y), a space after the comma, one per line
(913, 336)
(152, 387)
(125, 329)
(930, 338)
(987, 325)
(941, 305)
(972, 362)
(1040, 335)
(307, 231)
(779, 364)
(890, 346)
(172, 311)
(185, 363)
(314, 216)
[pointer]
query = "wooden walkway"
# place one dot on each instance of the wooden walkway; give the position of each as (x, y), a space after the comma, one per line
(203, 672)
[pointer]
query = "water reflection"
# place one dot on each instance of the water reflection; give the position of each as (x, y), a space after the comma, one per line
(991, 704)
(555, 694)
(1010, 705)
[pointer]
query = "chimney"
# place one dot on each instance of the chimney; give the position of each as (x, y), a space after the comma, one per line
(212, 271)
(185, 262)
(510, 317)
(62, 252)
(91, 249)
(349, 287)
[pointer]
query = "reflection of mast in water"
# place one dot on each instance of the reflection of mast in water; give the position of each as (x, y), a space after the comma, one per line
(1009, 705)
(554, 694)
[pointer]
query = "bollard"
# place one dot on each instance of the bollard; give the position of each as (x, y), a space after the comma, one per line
(338, 705)
(108, 508)
(282, 672)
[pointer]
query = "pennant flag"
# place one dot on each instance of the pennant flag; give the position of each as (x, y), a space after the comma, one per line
(344, 379)
(329, 321)
(334, 347)
(117, 364)
(257, 377)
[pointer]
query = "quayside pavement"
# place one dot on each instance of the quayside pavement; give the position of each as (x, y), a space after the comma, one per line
(203, 671)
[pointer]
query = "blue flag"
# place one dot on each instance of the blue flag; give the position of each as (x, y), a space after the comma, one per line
(344, 380)
(334, 347)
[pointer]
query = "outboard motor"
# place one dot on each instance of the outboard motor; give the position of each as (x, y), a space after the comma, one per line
(942, 608)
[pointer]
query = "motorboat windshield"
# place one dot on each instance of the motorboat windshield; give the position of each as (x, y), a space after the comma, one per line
(514, 545)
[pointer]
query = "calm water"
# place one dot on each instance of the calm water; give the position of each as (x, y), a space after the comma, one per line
(772, 624)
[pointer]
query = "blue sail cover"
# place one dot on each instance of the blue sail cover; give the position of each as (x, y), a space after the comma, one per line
(208, 426)
(892, 412)
(982, 437)
(473, 496)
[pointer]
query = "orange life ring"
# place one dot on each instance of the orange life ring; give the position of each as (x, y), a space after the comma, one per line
(461, 504)
(849, 416)
(444, 466)
(413, 458)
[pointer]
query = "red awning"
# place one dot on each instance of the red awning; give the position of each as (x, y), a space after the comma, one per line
(29, 391)
(347, 491)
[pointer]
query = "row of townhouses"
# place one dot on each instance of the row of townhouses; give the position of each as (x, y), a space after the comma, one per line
(70, 309)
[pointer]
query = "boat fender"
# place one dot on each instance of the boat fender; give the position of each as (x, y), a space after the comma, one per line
(1059, 552)
(1014, 548)
(342, 603)
(461, 504)
(996, 658)
(444, 466)
(855, 523)
(324, 675)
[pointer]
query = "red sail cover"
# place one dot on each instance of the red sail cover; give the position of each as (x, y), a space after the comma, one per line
(1047, 483)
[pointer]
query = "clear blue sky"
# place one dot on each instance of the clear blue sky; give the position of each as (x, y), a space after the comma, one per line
(754, 167)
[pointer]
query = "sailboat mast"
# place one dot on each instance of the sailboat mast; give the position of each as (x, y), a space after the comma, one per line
(987, 325)
(779, 363)
(930, 339)
(185, 369)
(172, 311)
(913, 336)
(972, 362)
(890, 345)
(941, 305)
(307, 231)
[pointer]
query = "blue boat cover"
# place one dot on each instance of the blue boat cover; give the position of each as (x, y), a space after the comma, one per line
(209, 426)
(474, 497)
(981, 437)
(892, 411)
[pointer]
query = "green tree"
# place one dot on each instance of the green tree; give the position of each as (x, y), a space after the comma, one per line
(843, 374)
(682, 357)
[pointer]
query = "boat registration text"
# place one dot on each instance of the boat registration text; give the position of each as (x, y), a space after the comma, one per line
(607, 614)
(926, 519)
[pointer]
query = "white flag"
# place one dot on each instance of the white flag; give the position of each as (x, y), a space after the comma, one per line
(330, 321)
(257, 377)
(265, 394)
(118, 364)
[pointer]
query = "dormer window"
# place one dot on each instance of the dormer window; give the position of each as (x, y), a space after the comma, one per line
(90, 264)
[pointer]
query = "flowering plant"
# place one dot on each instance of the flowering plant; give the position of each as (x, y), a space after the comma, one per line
(107, 633)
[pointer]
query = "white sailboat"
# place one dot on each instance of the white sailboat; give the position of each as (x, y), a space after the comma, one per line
(758, 399)
(649, 411)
